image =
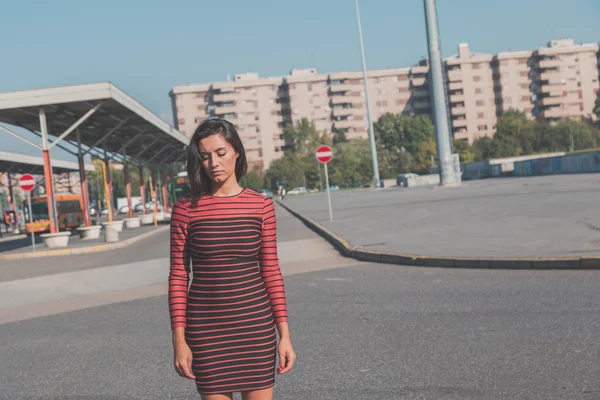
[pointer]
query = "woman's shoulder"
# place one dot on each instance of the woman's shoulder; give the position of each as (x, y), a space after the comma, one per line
(183, 203)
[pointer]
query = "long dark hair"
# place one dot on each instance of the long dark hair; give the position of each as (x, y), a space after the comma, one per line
(199, 180)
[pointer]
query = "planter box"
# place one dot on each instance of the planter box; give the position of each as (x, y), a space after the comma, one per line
(160, 216)
(111, 235)
(132, 222)
(116, 225)
(89, 232)
(56, 240)
(147, 219)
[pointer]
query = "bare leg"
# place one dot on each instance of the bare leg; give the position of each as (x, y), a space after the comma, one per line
(224, 396)
(263, 394)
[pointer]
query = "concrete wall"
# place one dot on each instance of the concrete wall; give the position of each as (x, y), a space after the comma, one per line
(577, 163)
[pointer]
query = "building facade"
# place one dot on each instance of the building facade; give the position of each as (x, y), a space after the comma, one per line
(554, 82)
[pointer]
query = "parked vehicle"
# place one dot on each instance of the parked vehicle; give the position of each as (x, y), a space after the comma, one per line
(266, 192)
(402, 178)
(298, 190)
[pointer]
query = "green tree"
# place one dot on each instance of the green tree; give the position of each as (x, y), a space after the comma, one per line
(465, 151)
(597, 106)
(303, 138)
(253, 179)
(288, 170)
(351, 164)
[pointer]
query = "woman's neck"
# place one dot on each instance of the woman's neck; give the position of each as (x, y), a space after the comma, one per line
(228, 188)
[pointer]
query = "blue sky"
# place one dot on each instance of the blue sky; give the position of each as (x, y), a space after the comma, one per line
(148, 47)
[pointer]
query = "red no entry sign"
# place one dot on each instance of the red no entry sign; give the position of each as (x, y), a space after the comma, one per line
(27, 182)
(324, 154)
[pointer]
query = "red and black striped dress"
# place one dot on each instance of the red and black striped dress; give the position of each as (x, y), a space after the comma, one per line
(237, 293)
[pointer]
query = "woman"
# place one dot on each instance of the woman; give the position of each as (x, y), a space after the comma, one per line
(224, 324)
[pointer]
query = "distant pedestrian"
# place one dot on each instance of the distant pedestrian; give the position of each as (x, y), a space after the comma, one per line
(224, 324)
(283, 193)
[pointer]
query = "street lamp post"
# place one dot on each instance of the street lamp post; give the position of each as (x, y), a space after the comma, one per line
(376, 180)
(448, 176)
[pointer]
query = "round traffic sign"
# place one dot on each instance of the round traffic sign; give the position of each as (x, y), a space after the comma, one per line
(324, 154)
(27, 182)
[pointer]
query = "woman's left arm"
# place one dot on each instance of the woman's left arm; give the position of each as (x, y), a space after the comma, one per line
(273, 280)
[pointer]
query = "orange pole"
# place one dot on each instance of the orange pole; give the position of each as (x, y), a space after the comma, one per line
(84, 192)
(164, 193)
(128, 189)
(142, 189)
(49, 190)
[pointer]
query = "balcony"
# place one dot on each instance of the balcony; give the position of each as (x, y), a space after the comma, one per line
(459, 123)
(349, 123)
(549, 101)
(549, 63)
(220, 110)
(455, 76)
(345, 87)
(455, 86)
(457, 98)
(226, 97)
(557, 112)
(552, 76)
(347, 99)
(422, 105)
(458, 111)
(418, 81)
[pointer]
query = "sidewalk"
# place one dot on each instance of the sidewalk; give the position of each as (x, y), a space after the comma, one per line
(20, 248)
(542, 222)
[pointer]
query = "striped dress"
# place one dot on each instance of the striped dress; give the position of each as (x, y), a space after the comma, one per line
(236, 295)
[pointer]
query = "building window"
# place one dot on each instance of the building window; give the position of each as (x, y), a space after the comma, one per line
(378, 104)
(478, 91)
(394, 79)
(524, 73)
(480, 115)
(524, 86)
(476, 78)
(482, 128)
(480, 102)
(384, 103)
(525, 98)
(310, 101)
(504, 62)
(256, 116)
(382, 92)
(310, 87)
(400, 101)
(507, 100)
(273, 112)
(240, 115)
(181, 121)
(476, 66)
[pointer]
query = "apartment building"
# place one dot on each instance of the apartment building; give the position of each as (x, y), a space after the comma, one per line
(554, 82)
(253, 104)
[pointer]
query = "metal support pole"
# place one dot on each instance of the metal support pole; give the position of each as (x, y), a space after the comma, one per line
(30, 220)
(11, 201)
(153, 197)
(438, 94)
(127, 186)
(164, 193)
(371, 131)
(108, 181)
(328, 192)
(142, 189)
(83, 180)
(47, 171)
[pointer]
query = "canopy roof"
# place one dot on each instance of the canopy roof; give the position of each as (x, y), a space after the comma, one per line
(105, 117)
(23, 164)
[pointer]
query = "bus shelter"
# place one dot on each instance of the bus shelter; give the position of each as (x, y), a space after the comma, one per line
(16, 163)
(93, 119)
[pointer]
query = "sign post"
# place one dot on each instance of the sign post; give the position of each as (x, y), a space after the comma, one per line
(27, 183)
(324, 155)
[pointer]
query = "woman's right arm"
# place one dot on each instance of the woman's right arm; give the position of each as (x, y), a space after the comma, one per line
(179, 273)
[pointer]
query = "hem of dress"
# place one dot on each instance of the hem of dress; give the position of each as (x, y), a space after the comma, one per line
(237, 390)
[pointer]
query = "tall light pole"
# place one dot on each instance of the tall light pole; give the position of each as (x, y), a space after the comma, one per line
(438, 93)
(376, 180)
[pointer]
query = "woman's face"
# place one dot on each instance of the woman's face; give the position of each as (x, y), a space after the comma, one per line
(218, 158)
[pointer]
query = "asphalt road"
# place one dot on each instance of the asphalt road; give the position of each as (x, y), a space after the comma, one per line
(361, 331)
(512, 217)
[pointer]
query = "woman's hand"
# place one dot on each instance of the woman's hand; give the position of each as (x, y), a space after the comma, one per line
(286, 355)
(183, 359)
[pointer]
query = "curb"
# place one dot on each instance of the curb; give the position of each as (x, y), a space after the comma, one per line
(83, 250)
(348, 250)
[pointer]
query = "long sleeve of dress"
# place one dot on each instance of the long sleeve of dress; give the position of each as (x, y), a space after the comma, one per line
(269, 263)
(180, 265)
